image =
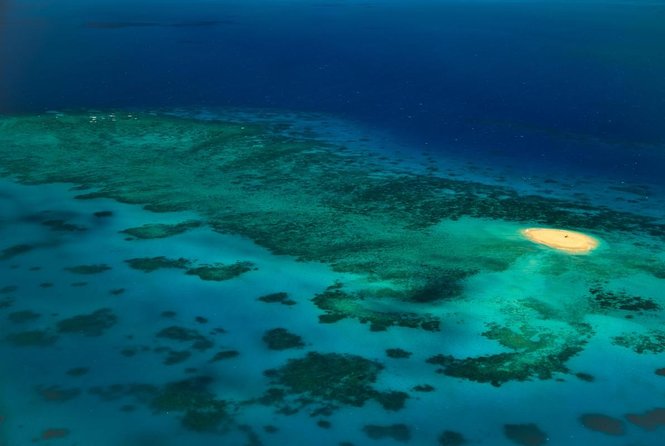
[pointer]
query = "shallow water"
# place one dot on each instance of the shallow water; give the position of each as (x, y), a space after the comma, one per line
(277, 222)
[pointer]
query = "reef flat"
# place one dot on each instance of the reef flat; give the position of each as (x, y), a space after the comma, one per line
(427, 275)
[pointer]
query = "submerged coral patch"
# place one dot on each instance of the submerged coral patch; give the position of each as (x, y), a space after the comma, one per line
(282, 339)
(525, 434)
(181, 334)
(54, 433)
(20, 317)
(88, 269)
(537, 353)
(452, 438)
(57, 394)
(200, 409)
(338, 304)
(280, 297)
(161, 230)
(327, 381)
(603, 423)
(219, 271)
(149, 264)
(649, 420)
(620, 300)
(92, 324)
(15, 250)
(398, 432)
(32, 338)
(653, 341)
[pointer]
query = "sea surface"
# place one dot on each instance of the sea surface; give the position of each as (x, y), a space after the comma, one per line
(300, 222)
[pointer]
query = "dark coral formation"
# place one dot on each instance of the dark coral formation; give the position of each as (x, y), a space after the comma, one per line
(525, 434)
(92, 324)
(649, 420)
(620, 300)
(397, 353)
(603, 423)
(20, 317)
(225, 354)
(32, 338)
(219, 271)
(88, 269)
(201, 410)
(282, 339)
(160, 230)
(149, 264)
(538, 353)
(63, 226)
(339, 304)
(398, 432)
(653, 341)
(181, 334)
(452, 438)
(57, 394)
(280, 297)
(15, 250)
(327, 381)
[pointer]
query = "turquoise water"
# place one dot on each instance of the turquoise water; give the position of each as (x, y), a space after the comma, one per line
(300, 223)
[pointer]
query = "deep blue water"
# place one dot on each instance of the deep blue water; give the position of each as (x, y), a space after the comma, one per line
(577, 84)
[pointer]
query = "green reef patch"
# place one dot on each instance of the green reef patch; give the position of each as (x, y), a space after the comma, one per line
(280, 297)
(150, 264)
(398, 432)
(297, 196)
(181, 334)
(653, 341)
(21, 317)
(219, 271)
(15, 250)
(92, 324)
(161, 230)
(452, 438)
(325, 381)
(536, 353)
(32, 338)
(88, 269)
(200, 409)
(338, 304)
(282, 339)
(620, 300)
(63, 226)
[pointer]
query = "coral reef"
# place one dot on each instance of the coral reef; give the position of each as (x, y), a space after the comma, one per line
(525, 434)
(603, 423)
(201, 410)
(327, 381)
(339, 304)
(20, 317)
(93, 324)
(149, 264)
(397, 353)
(282, 339)
(538, 353)
(649, 420)
(160, 230)
(452, 438)
(88, 269)
(32, 338)
(280, 297)
(15, 250)
(398, 432)
(219, 271)
(620, 300)
(653, 341)
(182, 334)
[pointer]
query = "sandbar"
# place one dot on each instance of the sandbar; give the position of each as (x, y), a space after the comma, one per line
(563, 240)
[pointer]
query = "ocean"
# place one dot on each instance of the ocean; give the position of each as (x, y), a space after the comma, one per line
(262, 222)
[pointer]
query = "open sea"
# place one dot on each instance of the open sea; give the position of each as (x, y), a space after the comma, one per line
(303, 222)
